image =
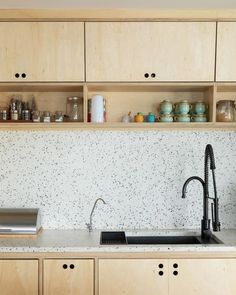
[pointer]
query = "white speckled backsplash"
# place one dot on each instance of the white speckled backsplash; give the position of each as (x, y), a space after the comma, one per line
(139, 174)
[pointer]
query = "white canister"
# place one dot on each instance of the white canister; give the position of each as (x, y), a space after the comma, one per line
(97, 109)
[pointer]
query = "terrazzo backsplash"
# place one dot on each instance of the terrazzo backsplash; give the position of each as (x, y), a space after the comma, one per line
(139, 174)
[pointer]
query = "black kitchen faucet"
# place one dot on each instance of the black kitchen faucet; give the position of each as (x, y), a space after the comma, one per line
(205, 224)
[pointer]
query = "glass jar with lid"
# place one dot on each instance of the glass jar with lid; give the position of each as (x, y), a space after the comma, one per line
(73, 108)
(225, 111)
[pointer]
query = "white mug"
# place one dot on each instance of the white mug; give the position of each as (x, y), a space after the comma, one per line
(97, 109)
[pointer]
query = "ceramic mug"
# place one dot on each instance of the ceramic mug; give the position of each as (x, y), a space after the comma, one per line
(182, 118)
(199, 118)
(166, 118)
(151, 118)
(139, 118)
(166, 107)
(182, 108)
(199, 108)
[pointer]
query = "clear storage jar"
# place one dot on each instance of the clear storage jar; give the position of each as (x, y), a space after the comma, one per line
(73, 108)
(225, 111)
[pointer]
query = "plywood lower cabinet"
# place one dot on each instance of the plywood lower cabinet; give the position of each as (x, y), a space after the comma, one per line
(202, 277)
(18, 277)
(167, 277)
(68, 277)
(133, 277)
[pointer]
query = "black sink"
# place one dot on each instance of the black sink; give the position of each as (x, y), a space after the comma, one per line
(163, 240)
(113, 238)
(119, 238)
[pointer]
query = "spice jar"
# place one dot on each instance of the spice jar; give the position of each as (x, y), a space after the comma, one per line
(3, 115)
(225, 111)
(73, 108)
(36, 116)
(46, 117)
(58, 116)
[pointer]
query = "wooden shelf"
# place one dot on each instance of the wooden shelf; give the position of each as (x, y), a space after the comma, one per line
(116, 126)
(120, 98)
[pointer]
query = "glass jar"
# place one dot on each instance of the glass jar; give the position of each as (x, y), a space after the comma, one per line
(225, 111)
(46, 117)
(73, 108)
(59, 116)
(36, 116)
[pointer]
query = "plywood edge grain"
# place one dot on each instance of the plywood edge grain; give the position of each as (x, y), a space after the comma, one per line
(119, 255)
(116, 14)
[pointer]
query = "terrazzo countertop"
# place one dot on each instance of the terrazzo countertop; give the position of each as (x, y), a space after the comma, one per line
(83, 241)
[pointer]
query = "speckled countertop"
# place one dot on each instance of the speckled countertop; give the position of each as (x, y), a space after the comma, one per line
(83, 241)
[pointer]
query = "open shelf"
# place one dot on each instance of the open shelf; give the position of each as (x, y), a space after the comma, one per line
(145, 98)
(225, 91)
(120, 98)
(49, 97)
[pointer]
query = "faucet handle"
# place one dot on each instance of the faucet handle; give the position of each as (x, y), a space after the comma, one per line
(89, 226)
(215, 219)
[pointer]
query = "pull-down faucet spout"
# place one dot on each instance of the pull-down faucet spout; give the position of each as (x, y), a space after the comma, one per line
(205, 223)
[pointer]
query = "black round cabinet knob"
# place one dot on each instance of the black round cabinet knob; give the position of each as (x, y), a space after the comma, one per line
(153, 75)
(17, 75)
(161, 265)
(64, 266)
(23, 75)
(175, 273)
(175, 265)
(146, 75)
(161, 273)
(72, 266)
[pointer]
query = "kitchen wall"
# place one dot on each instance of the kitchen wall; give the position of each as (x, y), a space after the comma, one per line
(160, 4)
(139, 174)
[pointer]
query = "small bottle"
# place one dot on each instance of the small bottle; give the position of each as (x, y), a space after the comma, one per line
(26, 114)
(3, 115)
(13, 110)
(33, 104)
(14, 115)
(89, 109)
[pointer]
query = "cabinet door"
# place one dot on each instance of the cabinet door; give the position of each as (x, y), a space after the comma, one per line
(43, 51)
(75, 277)
(226, 53)
(172, 51)
(133, 277)
(19, 277)
(202, 277)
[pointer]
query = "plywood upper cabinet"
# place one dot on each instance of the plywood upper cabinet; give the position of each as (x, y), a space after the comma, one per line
(43, 51)
(202, 277)
(133, 277)
(150, 51)
(226, 52)
(19, 277)
(64, 276)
